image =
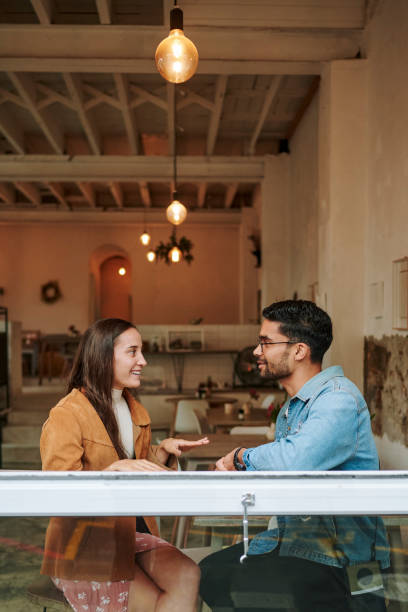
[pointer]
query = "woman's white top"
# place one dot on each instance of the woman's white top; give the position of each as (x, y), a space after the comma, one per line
(124, 421)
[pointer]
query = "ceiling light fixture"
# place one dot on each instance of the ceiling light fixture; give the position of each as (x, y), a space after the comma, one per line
(176, 56)
(174, 250)
(151, 256)
(176, 212)
(145, 238)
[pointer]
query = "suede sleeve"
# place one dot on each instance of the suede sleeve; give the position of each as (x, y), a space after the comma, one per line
(61, 444)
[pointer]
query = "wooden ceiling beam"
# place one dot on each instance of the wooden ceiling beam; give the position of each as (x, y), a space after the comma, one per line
(139, 66)
(51, 130)
(122, 88)
(99, 97)
(8, 96)
(12, 131)
(220, 88)
(74, 86)
(31, 192)
(131, 168)
(52, 96)
(104, 8)
(194, 98)
(88, 192)
(117, 192)
(270, 97)
(145, 194)
(7, 193)
(43, 10)
(230, 194)
(201, 192)
(109, 46)
(146, 96)
(57, 191)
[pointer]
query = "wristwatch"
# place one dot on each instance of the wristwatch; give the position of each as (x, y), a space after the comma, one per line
(237, 465)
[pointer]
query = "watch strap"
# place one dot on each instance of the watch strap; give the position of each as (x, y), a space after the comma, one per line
(237, 465)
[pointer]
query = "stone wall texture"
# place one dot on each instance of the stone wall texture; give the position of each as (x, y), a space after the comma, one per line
(386, 385)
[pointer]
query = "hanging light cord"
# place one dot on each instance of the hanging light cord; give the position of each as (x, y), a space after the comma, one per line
(174, 143)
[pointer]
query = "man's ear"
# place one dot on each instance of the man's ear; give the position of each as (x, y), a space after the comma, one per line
(302, 351)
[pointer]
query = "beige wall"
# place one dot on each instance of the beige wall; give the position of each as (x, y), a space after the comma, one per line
(303, 206)
(387, 219)
(387, 222)
(34, 254)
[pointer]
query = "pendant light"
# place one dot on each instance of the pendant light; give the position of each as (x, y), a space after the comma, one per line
(176, 56)
(145, 238)
(175, 255)
(151, 256)
(176, 212)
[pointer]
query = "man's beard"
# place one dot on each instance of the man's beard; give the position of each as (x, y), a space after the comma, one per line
(279, 370)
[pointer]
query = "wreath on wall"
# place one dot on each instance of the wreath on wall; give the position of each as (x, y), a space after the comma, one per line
(50, 292)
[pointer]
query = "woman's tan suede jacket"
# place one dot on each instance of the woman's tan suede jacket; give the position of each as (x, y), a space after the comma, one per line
(87, 548)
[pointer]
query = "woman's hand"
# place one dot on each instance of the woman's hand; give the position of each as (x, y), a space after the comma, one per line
(176, 446)
(134, 465)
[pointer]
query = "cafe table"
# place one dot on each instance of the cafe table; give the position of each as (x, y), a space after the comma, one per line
(220, 421)
(207, 454)
(220, 444)
(213, 400)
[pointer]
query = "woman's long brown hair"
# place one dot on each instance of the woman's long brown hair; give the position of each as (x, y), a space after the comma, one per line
(92, 372)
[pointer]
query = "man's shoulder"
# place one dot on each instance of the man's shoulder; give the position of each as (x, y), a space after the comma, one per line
(340, 385)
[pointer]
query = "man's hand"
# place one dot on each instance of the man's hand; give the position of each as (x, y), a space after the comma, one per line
(226, 464)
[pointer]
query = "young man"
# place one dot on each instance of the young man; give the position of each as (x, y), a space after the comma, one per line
(305, 563)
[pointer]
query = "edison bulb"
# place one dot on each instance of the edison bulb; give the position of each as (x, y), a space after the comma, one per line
(176, 212)
(175, 254)
(145, 238)
(176, 57)
(122, 271)
(151, 256)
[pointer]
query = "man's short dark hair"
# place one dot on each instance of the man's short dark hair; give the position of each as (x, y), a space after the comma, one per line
(303, 321)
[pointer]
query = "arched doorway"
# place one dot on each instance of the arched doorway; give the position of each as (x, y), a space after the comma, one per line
(110, 292)
(116, 288)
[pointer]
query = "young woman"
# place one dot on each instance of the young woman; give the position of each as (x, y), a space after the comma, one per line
(112, 564)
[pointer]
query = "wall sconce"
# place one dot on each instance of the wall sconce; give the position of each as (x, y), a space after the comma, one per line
(176, 56)
(122, 271)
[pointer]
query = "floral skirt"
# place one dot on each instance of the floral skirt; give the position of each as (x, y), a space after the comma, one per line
(93, 596)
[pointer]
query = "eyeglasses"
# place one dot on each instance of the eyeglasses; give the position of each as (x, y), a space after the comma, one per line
(262, 343)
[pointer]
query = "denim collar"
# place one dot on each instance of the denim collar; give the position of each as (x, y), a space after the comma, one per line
(314, 384)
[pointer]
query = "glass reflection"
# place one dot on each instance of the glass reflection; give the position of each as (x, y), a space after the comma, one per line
(280, 579)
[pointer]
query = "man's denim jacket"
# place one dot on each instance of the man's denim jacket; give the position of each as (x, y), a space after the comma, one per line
(325, 426)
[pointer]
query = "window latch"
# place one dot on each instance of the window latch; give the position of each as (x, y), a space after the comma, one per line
(246, 500)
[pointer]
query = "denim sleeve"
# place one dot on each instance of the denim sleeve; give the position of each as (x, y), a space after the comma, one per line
(326, 439)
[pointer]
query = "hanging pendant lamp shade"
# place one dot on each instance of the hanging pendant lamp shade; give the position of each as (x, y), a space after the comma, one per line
(176, 56)
(145, 238)
(176, 211)
(175, 255)
(151, 256)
